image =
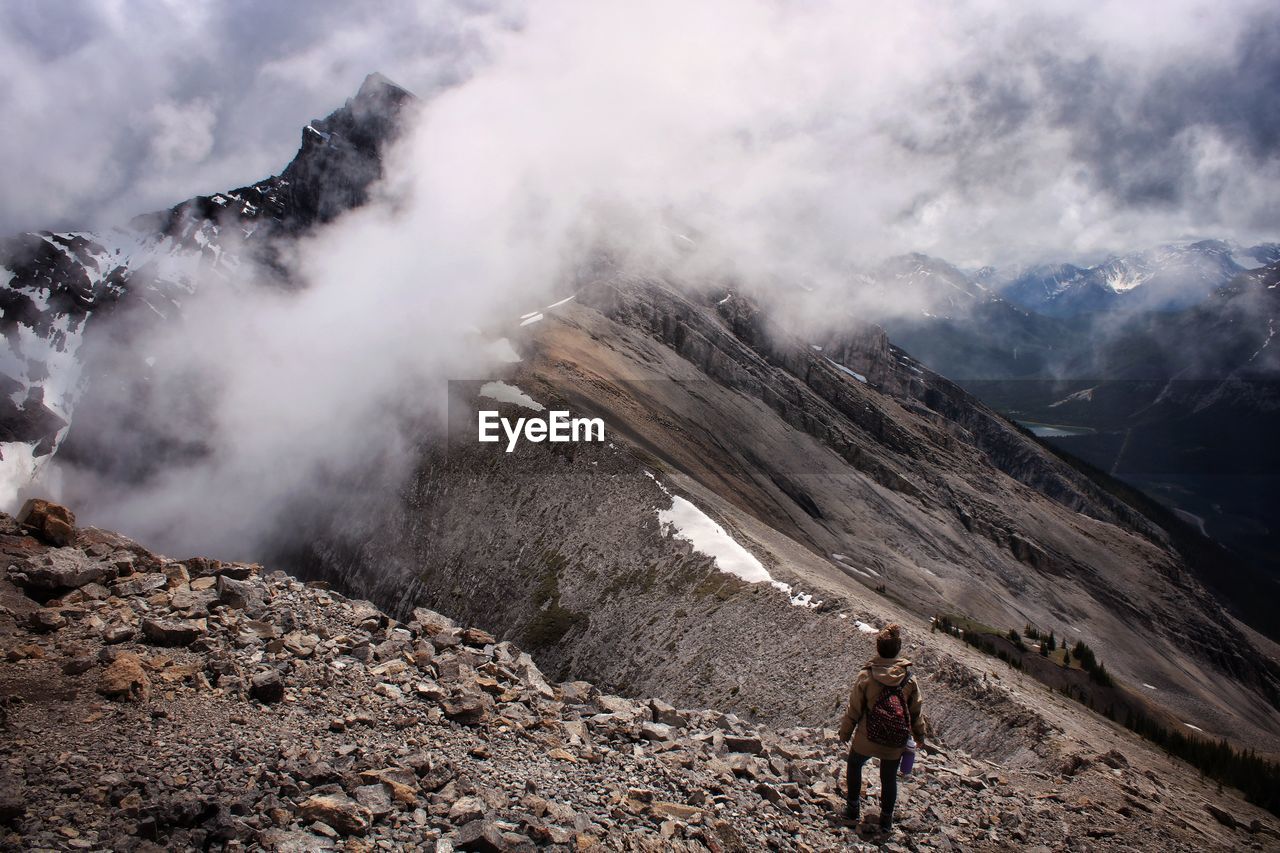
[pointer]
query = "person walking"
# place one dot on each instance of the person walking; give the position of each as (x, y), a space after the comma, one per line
(884, 713)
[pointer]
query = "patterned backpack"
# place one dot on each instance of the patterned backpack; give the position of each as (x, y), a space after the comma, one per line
(889, 720)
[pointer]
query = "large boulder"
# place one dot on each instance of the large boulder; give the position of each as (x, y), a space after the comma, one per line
(430, 622)
(45, 620)
(482, 836)
(338, 811)
(139, 583)
(471, 708)
(173, 632)
(47, 521)
(238, 594)
(125, 679)
(532, 676)
(267, 686)
(59, 569)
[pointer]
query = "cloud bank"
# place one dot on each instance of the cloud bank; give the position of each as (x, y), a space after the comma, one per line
(786, 141)
(979, 131)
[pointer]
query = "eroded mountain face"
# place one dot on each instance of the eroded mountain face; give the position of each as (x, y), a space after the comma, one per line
(845, 469)
(871, 486)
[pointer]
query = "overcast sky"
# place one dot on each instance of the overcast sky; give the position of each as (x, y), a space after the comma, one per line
(977, 131)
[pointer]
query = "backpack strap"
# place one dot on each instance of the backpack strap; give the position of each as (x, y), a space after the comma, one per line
(863, 715)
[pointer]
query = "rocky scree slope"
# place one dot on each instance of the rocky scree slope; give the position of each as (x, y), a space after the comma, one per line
(150, 704)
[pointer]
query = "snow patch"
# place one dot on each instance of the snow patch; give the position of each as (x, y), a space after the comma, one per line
(561, 302)
(1196, 728)
(1271, 333)
(1121, 280)
(685, 521)
(531, 318)
(1148, 686)
(504, 393)
(865, 628)
(853, 373)
(1085, 396)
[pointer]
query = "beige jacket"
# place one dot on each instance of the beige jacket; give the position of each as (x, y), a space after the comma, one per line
(879, 673)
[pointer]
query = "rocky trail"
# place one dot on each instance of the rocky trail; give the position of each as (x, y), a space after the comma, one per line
(149, 703)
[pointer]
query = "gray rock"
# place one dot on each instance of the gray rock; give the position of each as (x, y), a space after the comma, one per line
(297, 841)
(659, 732)
(665, 713)
(531, 675)
(617, 705)
(139, 584)
(79, 664)
(375, 798)
(172, 632)
(12, 805)
(238, 594)
(60, 568)
(113, 634)
(467, 809)
(267, 686)
(483, 836)
(429, 690)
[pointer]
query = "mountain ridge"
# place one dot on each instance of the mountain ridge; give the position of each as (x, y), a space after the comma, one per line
(866, 484)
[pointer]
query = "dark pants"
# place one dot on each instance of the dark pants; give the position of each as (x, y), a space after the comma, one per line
(888, 783)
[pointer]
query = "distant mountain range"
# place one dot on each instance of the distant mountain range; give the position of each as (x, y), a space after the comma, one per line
(1180, 311)
(1168, 277)
(1160, 368)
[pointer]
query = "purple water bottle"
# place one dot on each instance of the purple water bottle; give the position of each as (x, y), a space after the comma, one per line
(908, 757)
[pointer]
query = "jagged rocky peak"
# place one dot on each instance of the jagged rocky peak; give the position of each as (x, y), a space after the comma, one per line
(367, 120)
(341, 154)
(64, 288)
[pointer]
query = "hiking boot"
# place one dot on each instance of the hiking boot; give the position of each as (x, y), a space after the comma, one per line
(886, 827)
(851, 812)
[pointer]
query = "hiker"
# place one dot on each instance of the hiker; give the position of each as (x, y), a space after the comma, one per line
(884, 707)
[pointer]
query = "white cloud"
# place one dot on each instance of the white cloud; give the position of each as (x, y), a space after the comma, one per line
(784, 139)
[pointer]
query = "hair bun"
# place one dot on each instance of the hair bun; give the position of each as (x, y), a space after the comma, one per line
(892, 631)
